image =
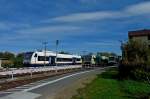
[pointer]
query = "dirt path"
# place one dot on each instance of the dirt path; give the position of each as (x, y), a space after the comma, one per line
(70, 90)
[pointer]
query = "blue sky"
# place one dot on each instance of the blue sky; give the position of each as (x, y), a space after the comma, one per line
(80, 25)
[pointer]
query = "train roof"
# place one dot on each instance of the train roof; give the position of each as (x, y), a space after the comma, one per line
(51, 53)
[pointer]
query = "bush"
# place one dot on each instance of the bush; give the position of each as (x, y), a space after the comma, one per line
(136, 71)
(135, 63)
(11, 61)
(7, 63)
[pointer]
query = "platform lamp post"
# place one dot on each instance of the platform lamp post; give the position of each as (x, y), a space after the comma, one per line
(45, 47)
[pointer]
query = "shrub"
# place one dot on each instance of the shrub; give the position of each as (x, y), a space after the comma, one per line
(135, 63)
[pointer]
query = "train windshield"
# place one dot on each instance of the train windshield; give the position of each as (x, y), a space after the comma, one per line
(111, 58)
(28, 55)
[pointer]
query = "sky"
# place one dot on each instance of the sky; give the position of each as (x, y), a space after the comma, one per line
(79, 25)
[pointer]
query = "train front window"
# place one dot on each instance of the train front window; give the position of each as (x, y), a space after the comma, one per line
(78, 59)
(35, 55)
(28, 55)
(111, 58)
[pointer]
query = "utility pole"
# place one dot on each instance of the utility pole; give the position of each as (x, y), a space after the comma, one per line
(57, 42)
(45, 46)
(0, 63)
(121, 42)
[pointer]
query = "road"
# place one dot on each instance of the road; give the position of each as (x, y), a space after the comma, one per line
(48, 88)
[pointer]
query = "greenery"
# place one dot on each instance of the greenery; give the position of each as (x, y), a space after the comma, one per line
(107, 86)
(136, 61)
(18, 62)
(106, 54)
(11, 60)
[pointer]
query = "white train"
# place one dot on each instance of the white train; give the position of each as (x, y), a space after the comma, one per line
(38, 58)
(112, 60)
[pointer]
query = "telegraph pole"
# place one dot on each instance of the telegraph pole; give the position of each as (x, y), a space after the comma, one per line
(45, 46)
(0, 63)
(57, 42)
(121, 42)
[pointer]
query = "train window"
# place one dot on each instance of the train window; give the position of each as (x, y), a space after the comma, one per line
(35, 55)
(78, 59)
(42, 58)
(28, 55)
(64, 59)
(111, 58)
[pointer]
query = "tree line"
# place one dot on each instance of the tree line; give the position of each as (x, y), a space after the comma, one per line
(11, 60)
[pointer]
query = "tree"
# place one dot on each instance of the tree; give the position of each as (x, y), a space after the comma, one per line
(18, 62)
(106, 54)
(136, 51)
(11, 60)
(7, 55)
(135, 60)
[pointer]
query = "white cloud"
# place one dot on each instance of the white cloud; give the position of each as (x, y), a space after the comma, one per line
(138, 9)
(100, 43)
(38, 33)
(67, 30)
(11, 25)
(86, 16)
(3, 26)
(88, 1)
(48, 29)
(129, 11)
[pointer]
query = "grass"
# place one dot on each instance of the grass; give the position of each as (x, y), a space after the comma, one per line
(107, 86)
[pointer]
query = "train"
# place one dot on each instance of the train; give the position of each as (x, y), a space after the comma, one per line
(48, 58)
(112, 60)
(94, 60)
(88, 60)
(98, 60)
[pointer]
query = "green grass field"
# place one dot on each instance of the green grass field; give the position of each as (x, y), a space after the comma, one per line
(106, 86)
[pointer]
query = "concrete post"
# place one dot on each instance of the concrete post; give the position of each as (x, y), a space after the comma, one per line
(31, 73)
(12, 75)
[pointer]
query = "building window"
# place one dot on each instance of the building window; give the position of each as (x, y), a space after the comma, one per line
(131, 37)
(148, 37)
(149, 46)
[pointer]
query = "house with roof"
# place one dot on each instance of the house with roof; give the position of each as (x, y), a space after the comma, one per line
(140, 35)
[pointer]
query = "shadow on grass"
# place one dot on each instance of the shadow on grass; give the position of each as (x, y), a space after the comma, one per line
(138, 96)
(109, 74)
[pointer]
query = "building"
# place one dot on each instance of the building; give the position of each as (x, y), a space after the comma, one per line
(3, 61)
(140, 35)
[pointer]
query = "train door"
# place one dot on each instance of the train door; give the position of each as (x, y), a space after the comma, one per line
(74, 60)
(52, 59)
